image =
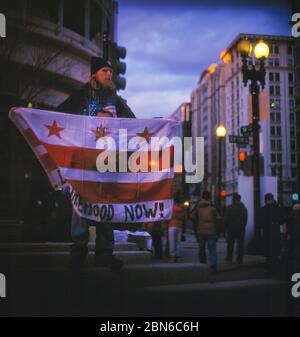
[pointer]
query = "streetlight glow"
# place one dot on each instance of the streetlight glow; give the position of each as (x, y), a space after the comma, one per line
(244, 47)
(261, 50)
(221, 131)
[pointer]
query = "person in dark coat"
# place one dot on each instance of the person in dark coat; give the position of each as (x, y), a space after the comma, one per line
(293, 232)
(96, 98)
(235, 221)
(206, 216)
(271, 217)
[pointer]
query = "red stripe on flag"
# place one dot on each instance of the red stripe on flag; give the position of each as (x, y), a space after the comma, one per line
(48, 162)
(85, 158)
(109, 193)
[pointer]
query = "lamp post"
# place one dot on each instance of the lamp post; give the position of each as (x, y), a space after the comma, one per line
(220, 133)
(186, 132)
(261, 52)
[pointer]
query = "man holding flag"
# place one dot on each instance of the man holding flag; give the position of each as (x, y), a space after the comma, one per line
(119, 170)
(96, 98)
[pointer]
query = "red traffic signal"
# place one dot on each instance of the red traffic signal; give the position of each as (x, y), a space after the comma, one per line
(242, 156)
(223, 194)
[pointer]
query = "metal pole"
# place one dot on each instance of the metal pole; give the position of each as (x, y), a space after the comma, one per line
(219, 172)
(254, 88)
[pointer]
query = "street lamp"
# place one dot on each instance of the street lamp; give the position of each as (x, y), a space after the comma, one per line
(220, 133)
(261, 52)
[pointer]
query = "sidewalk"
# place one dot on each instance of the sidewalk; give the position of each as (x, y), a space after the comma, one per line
(190, 248)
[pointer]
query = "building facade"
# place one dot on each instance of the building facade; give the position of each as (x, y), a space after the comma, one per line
(222, 98)
(182, 114)
(207, 104)
(44, 58)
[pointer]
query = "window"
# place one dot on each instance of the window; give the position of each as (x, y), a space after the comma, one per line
(271, 77)
(291, 91)
(271, 48)
(291, 77)
(278, 117)
(291, 104)
(47, 10)
(277, 77)
(276, 61)
(12, 4)
(278, 128)
(293, 158)
(290, 62)
(273, 158)
(96, 24)
(277, 90)
(293, 145)
(290, 50)
(74, 15)
(273, 146)
(279, 145)
(292, 118)
(294, 172)
(272, 130)
(271, 90)
(276, 50)
(270, 62)
(273, 171)
(272, 117)
(279, 158)
(274, 104)
(292, 131)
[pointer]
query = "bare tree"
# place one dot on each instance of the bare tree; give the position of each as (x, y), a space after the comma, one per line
(27, 63)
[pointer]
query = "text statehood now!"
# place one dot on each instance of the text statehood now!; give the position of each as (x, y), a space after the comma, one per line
(113, 173)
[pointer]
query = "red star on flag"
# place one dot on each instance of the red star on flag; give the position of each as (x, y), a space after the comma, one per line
(145, 134)
(100, 132)
(54, 129)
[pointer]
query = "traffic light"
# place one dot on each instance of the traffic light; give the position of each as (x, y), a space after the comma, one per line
(115, 53)
(242, 159)
(223, 194)
(242, 156)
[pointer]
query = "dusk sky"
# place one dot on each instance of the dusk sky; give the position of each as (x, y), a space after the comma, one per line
(170, 43)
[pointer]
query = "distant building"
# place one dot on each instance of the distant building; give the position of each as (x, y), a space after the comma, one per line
(182, 114)
(221, 98)
(207, 111)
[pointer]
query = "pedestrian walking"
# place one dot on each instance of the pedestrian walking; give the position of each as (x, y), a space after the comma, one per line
(206, 216)
(235, 221)
(175, 229)
(271, 218)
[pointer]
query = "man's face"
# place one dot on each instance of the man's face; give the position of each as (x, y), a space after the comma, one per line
(104, 76)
